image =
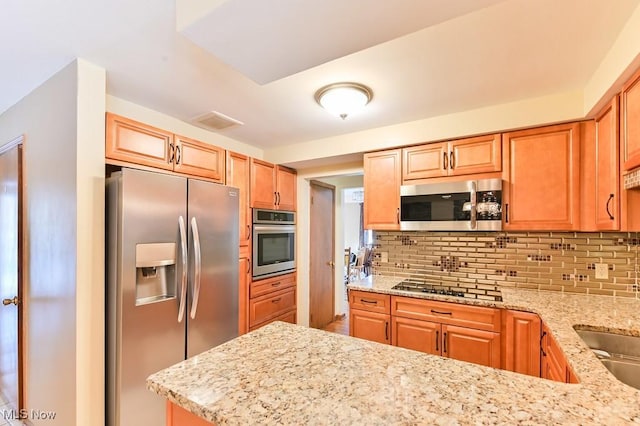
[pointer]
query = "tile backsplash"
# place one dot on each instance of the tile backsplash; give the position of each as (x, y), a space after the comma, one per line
(484, 262)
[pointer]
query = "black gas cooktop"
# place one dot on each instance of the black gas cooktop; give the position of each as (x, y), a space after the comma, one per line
(433, 288)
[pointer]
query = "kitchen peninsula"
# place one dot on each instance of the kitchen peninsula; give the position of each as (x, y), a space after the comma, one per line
(289, 374)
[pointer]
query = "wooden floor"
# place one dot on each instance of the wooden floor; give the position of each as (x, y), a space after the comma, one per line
(340, 326)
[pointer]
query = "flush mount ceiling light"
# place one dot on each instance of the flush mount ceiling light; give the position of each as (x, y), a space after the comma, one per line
(343, 99)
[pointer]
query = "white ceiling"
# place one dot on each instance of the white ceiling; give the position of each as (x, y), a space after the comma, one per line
(422, 58)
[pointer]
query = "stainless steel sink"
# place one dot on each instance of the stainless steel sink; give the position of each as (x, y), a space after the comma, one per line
(619, 353)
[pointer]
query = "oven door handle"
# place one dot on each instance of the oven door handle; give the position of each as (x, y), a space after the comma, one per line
(474, 205)
(272, 229)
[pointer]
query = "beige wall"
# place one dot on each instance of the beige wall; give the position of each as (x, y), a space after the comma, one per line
(64, 279)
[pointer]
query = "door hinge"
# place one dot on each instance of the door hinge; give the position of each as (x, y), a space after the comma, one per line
(311, 200)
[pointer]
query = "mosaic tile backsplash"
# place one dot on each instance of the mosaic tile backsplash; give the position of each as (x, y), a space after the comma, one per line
(483, 262)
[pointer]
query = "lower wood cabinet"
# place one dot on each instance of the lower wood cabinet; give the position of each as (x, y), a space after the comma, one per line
(272, 299)
(178, 416)
(471, 345)
(553, 364)
(244, 278)
(521, 342)
(370, 326)
(423, 336)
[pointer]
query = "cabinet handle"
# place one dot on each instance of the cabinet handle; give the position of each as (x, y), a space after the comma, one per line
(453, 160)
(444, 343)
(278, 203)
(445, 161)
(172, 152)
(386, 330)
(177, 155)
(276, 300)
(248, 265)
(437, 338)
(372, 302)
(544, 333)
(506, 213)
(609, 201)
(433, 311)
(398, 215)
(275, 198)
(248, 232)
(276, 284)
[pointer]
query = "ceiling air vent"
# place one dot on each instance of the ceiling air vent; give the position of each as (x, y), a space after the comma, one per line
(215, 121)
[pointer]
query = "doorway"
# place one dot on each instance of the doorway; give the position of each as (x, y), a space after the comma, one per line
(11, 269)
(321, 255)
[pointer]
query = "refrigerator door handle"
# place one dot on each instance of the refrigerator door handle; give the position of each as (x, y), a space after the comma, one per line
(183, 280)
(198, 267)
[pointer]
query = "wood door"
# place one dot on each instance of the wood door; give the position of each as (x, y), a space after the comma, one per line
(522, 342)
(553, 364)
(238, 176)
(630, 100)
(11, 267)
(482, 154)
(470, 345)
(542, 174)
(321, 256)
(382, 180)
(370, 326)
(199, 159)
(607, 168)
(263, 184)
(423, 336)
(134, 142)
(286, 188)
(424, 161)
(244, 278)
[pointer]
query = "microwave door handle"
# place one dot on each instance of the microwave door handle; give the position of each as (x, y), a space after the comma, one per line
(473, 205)
(183, 279)
(198, 267)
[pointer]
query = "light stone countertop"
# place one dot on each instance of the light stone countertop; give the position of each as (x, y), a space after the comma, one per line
(289, 374)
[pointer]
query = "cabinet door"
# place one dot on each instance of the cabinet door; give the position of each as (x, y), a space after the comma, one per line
(423, 336)
(522, 342)
(244, 278)
(470, 345)
(133, 142)
(382, 179)
(263, 184)
(238, 176)
(424, 161)
(542, 169)
(481, 154)
(553, 365)
(286, 188)
(197, 158)
(370, 326)
(269, 306)
(607, 169)
(630, 100)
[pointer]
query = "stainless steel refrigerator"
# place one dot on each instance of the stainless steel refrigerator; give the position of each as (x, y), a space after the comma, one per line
(172, 278)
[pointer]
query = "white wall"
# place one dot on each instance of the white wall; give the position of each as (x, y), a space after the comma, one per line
(351, 223)
(64, 249)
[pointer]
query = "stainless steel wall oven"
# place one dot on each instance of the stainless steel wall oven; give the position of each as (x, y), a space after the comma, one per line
(274, 243)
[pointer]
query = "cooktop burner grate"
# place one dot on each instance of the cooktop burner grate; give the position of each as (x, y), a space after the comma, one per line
(424, 287)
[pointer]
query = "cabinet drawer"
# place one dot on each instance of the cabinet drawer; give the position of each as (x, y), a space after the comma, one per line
(289, 317)
(477, 317)
(262, 287)
(366, 301)
(271, 305)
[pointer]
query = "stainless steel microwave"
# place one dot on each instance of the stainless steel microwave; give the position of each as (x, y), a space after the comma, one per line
(274, 243)
(474, 205)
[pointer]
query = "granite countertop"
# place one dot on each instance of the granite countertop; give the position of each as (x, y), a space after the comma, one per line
(290, 374)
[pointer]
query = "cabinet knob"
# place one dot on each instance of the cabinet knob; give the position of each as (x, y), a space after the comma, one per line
(14, 301)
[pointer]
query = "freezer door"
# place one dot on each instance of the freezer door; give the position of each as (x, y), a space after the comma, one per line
(144, 276)
(212, 311)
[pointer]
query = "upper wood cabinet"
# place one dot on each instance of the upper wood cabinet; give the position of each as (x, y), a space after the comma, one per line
(238, 176)
(600, 171)
(541, 172)
(521, 342)
(272, 186)
(137, 143)
(480, 154)
(630, 103)
(382, 180)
